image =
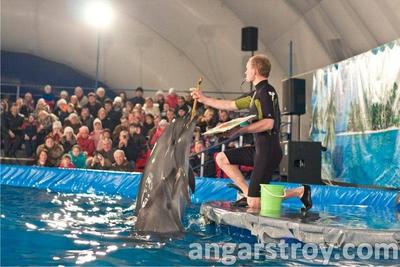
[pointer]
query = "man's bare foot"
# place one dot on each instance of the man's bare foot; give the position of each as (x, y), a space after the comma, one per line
(254, 202)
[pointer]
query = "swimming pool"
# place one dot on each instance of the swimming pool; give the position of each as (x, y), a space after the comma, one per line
(39, 227)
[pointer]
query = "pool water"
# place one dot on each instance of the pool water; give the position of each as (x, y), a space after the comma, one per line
(40, 227)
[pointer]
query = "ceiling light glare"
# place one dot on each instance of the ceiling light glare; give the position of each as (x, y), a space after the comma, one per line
(98, 14)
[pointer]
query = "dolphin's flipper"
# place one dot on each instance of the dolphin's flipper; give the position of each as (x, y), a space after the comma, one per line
(192, 181)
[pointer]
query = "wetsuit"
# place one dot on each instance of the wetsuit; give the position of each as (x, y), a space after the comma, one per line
(266, 153)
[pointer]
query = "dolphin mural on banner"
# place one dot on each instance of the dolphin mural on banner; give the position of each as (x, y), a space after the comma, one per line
(164, 187)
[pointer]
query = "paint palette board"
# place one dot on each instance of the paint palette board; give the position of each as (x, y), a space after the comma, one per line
(226, 126)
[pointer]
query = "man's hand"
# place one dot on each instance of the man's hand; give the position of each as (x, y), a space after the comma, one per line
(12, 135)
(235, 132)
(197, 94)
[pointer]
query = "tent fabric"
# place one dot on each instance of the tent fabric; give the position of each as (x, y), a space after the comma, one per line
(192, 38)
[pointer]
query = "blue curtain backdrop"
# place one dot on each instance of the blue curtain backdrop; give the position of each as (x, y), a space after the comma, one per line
(355, 114)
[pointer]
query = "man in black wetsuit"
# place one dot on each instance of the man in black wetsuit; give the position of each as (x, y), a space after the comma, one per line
(266, 153)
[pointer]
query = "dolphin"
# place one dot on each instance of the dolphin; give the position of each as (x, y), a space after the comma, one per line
(167, 177)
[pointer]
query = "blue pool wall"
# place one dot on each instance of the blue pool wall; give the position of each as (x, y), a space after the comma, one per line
(207, 189)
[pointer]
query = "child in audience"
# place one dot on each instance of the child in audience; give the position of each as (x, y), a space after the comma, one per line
(78, 158)
(66, 162)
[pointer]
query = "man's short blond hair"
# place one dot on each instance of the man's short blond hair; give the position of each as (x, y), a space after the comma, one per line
(262, 64)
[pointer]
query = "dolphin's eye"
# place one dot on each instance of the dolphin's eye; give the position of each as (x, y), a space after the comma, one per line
(169, 205)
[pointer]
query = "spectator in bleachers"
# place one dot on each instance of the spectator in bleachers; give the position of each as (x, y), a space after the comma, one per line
(61, 110)
(162, 125)
(56, 131)
(87, 118)
(105, 120)
(74, 122)
(95, 135)
(42, 159)
(54, 151)
(93, 105)
(75, 104)
(64, 95)
(182, 105)
(82, 99)
(101, 95)
(78, 158)
(68, 139)
(223, 116)
(66, 162)
(138, 98)
(206, 121)
(41, 105)
(123, 126)
(189, 100)
(172, 98)
(170, 115)
(148, 124)
(49, 96)
(123, 97)
(163, 114)
(160, 100)
(195, 161)
(13, 127)
(84, 141)
(99, 162)
(121, 163)
(124, 142)
(181, 112)
(150, 108)
(19, 102)
(28, 105)
(29, 128)
(138, 142)
(106, 134)
(107, 115)
(106, 149)
(116, 112)
(128, 108)
(133, 118)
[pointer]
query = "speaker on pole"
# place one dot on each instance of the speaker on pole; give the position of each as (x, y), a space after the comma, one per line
(249, 39)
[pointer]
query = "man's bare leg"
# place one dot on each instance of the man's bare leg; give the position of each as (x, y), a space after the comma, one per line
(296, 192)
(232, 171)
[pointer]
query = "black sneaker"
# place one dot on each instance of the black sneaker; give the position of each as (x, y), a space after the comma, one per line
(241, 203)
(306, 199)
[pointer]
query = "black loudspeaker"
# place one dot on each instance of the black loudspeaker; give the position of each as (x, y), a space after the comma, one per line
(301, 162)
(293, 97)
(249, 38)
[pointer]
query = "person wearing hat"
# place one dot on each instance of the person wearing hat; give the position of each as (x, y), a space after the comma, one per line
(68, 139)
(93, 105)
(172, 98)
(56, 131)
(95, 135)
(138, 98)
(66, 162)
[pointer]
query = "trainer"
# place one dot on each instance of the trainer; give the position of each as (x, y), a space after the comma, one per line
(266, 153)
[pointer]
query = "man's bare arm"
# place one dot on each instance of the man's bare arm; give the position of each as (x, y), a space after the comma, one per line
(212, 102)
(219, 103)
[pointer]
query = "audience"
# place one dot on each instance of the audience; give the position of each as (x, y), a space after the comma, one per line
(93, 131)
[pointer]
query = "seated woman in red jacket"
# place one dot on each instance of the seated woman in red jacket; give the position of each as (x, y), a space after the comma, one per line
(85, 142)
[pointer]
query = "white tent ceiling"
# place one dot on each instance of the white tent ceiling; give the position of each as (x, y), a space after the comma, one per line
(171, 43)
